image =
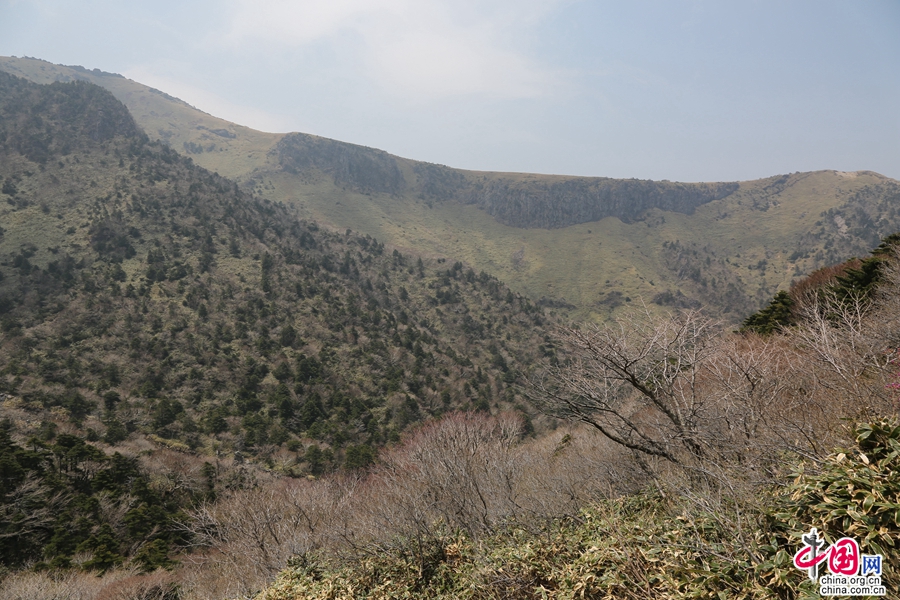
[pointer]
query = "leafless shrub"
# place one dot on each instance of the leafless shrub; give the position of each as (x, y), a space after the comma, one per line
(473, 472)
(765, 402)
(845, 356)
(173, 472)
(159, 585)
(67, 585)
(636, 381)
(470, 472)
(885, 317)
(36, 519)
(564, 470)
(850, 341)
(460, 469)
(250, 534)
(714, 414)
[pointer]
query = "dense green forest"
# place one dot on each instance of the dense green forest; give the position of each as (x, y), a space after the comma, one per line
(143, 297)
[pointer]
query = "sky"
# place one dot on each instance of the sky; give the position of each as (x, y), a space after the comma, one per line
(684, 90)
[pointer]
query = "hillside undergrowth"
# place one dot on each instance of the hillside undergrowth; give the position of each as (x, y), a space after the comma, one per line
(644, 546)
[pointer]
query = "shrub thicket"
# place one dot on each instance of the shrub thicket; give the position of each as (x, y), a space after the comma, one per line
(644, 546)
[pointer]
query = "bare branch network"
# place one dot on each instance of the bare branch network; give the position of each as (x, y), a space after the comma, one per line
(676, 389)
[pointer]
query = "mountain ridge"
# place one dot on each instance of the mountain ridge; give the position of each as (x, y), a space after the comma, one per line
(505, 195)
(585, 246)
(168, 335)
(553, 202)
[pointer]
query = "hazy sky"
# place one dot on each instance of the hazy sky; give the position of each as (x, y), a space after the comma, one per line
(656, 89)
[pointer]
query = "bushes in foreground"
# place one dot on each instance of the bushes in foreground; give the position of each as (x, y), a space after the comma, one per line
(467, 472)
(643, 546)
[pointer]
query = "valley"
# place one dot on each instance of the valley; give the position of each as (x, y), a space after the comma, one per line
(247, 364)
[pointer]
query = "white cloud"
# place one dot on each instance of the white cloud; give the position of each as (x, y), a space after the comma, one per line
(417, 49)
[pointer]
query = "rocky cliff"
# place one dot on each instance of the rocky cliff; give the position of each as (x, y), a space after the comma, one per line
(585, 199)
(358, 167)
(537, 202)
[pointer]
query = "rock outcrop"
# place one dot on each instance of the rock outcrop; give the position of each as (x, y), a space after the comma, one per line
(537, 202)
(358, 167)
(585, 199)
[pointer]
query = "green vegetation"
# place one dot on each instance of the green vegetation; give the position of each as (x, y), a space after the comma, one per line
(773, 317)
(577, 244)
(854, 281)
(200, 385)
(144, 298)
(62, 496)
(222, 314)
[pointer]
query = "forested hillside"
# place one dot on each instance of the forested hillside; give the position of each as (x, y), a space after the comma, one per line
(734, 445)
(147, 303)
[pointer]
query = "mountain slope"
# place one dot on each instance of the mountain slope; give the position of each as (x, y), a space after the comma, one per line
(141, 291)
(166, 336)
(588, 245)
(236, 150)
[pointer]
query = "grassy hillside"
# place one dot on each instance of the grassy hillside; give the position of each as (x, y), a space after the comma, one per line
(584, 245)
(731, 254)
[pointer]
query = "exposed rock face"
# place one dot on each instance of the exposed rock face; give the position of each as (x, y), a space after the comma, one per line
(361, 168)
(440, 182)
(586, 199)
(548, 204)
